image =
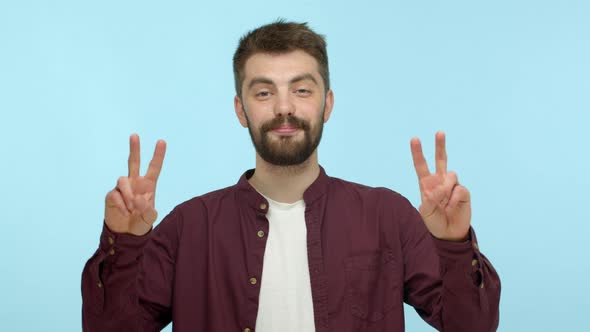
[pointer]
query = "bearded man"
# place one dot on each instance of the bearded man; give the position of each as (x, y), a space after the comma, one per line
(288, 248)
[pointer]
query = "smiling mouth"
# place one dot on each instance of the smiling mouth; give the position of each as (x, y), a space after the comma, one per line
(284, 127)
(285, 130)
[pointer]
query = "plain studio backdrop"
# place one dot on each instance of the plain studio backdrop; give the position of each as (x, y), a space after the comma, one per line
(508, 81)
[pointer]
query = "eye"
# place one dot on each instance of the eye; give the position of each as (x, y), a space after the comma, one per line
(262, 94)
(303, 92)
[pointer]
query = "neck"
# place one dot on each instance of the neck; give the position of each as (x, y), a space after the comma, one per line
(284, 183)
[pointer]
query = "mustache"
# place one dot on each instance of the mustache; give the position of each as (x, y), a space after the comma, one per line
(289, 120)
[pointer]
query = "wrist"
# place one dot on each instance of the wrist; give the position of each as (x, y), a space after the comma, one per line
(454, 237)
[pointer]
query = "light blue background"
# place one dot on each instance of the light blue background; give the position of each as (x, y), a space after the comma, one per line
(508, 81)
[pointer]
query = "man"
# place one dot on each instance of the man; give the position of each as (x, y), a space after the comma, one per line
(288, 248)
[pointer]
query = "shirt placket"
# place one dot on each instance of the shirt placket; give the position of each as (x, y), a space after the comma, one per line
(256, 236)
(317, 273)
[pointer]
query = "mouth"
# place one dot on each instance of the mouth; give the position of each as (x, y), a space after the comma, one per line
(285, 127)
(285, 130)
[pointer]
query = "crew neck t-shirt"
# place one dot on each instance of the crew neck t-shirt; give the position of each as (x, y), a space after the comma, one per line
(285, 302)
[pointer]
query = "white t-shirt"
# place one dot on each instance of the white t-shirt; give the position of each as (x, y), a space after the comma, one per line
(285, 302)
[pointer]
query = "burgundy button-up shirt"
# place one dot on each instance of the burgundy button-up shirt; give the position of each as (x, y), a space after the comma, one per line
(368, 251)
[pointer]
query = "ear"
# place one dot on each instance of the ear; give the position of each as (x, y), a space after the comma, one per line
(240, 112)
(328, 105)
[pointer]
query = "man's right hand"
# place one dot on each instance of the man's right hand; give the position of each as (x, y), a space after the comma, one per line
(130, 207)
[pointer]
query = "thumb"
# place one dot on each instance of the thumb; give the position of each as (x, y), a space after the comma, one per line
(146, 211)
(430, 202)
(459, 196)
(149, 215)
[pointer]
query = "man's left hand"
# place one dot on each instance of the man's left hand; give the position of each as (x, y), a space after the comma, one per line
(446, 205)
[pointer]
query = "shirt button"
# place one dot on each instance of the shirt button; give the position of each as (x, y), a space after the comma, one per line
(111, 240)
(247, 329)
(112, 251)
(260, 233)
(263, 206)
(481, 286)
(99, 284)
(474, 262)
(475, 246)
(253, 281)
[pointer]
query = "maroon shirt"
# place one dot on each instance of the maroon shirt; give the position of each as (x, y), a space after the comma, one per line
(368, 251)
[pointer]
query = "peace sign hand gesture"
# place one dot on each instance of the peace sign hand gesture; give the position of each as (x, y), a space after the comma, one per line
(130, 207)
(446, 205)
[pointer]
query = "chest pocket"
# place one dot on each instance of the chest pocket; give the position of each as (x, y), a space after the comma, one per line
(374, 286)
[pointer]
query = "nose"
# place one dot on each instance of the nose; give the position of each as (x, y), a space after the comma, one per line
(284, 105)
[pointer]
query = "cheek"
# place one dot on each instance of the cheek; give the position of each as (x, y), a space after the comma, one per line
(310, 109)
(254, 115)
(314, 102)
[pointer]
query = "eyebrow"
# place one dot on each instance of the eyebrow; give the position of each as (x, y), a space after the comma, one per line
(298, 78)
(303, 77)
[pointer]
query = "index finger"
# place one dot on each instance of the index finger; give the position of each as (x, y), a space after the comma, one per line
(155, 166)
(133, 162)
(418, 158)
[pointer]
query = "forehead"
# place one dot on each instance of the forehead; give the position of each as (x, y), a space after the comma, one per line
(282, 66)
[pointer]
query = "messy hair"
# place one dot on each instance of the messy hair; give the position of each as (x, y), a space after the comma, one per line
(277, 38)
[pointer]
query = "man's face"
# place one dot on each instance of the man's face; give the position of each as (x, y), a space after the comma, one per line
(284, 106)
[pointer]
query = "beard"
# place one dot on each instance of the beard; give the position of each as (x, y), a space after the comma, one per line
(286, 150)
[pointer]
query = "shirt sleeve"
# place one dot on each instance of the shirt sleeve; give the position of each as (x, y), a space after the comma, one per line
(451, 285)
(114, 295)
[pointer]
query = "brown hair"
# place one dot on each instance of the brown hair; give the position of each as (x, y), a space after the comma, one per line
(281, 37)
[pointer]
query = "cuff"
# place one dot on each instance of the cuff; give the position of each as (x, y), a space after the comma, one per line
(457, 250)
(120, 247)
(461, 262)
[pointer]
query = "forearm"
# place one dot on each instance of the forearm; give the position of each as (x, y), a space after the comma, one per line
(470, 287)
(109, 296)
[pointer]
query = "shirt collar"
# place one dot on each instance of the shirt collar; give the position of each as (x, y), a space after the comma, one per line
(254, 199)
